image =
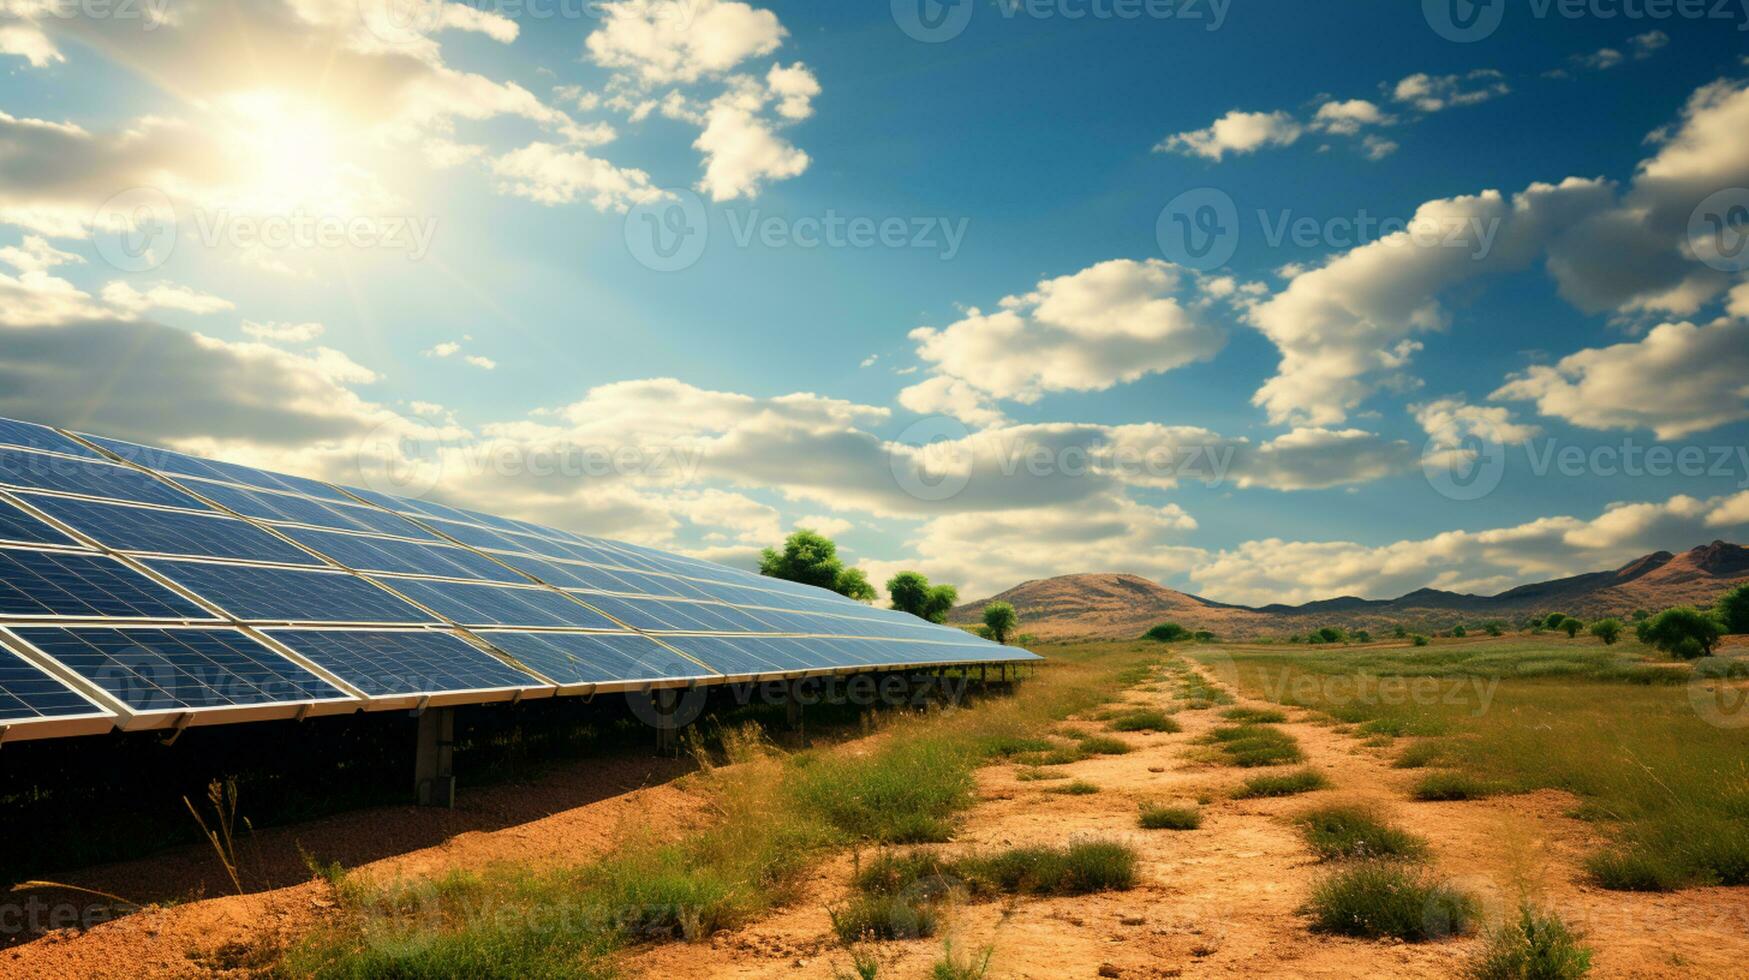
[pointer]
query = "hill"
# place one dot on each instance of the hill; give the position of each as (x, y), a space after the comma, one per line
(1121, 605)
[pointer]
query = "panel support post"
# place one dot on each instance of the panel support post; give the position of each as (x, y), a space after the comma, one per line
(667, 704)
(434, 758)
(792, 710)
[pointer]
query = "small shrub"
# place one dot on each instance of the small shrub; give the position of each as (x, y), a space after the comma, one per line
(920, 873)
(1143, 720)
(1347, 831)
(1284, 784)
(1732, 609)
(1171, 818)
(1536, 947)
(1387, 899)
(1249, 746)
(1571, 626)
(1418, 755)
(1261, 716)
(1683, 632)
(1079, 787)
(1079, 869)
(1104, 745)
(1637, 870)
(1607, 630)
(883, 917)
(952, 967)
(1448, 785)
(1034, 774)
(1418, 640)
(1168, 633)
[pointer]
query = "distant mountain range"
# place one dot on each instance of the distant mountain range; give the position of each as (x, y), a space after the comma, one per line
(1109, 605)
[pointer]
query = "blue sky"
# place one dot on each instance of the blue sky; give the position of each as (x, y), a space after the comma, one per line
(491, 321)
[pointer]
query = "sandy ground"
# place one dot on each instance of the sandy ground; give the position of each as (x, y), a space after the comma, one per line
(1220, 901)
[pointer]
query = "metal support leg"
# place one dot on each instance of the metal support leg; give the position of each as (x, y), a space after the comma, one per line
(667, 703)
(434, 758)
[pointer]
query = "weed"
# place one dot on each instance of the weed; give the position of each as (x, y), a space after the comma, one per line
(1255, 745)
(1171, 818)
(1284, 784)
(1034, 774)
(1386, 899)
(1081, 868)
(1349, 831)
(1143, 720)
(884, 917)
(1418, 755)
(1260, 716)
(1536, 947)
(952, 967)
(1079, 787)
(1446, 785)
(1104, 745)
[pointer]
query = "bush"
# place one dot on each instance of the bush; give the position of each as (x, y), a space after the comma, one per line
(1285, 784)
(1255, 745)
(1143, 720)
(904, 793)
(1348, 831)
(1079, 869)
(1607, 630)
(1000, 619)
(1459, 632)
(1386, 899)
(1262, 716)
(1493, 628)
(1204, 636)
(883, 917)
(1104, 745)
(1079, 787)
(1571, 625)
(1553, 621)
(1330, 634)
(1447, 786)
(1733, 609)
(1171, 818)
(1418, 640)
(1684, 632)
(1167, 633)
(1536, 947)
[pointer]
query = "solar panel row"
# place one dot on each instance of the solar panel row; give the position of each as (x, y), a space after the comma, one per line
(316, 598)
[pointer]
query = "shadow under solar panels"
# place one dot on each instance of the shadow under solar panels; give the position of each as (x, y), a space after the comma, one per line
(385, 663)
(482, 604)
(38, 584)
(596, 658)
(288, 595)
(39, 471)
(168, 532)
(154, 671)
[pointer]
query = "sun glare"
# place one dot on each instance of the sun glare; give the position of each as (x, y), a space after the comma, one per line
(291, 154)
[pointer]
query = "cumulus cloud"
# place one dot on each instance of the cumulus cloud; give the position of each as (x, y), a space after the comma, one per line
(669, 41)
(1348, 117)
(1113, 322)
(162, 296)
(1237, 132)
(550, 174)
(1677, 380)
(283, 333)
(1436, 93)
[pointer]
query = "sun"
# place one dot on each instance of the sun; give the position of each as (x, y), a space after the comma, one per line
(293, 154)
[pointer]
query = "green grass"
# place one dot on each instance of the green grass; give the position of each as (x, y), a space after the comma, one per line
(1104, 745)
(1252, 745)
(1537, 946)
(1418, 755)
(1348, 831)
(1260, 716)
(1447, 785)
(1079, 787)
(1281, 784)
(1171, 818)
(903, 794)
(885, 917)
(952, 966)
(1613, 725)
(1390, 900)
(1143, 720)
(1035, 774)
(1081, 868)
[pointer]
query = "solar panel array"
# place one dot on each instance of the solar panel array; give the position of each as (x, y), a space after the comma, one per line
(143, 588)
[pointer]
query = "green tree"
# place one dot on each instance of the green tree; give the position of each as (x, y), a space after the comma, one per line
(1494, 627)
(1204, 636)
(1167, 633)
(1331, 634)
(1399, 631)
(1000, 619)
(1418, 640)
(1553, 621)
(1607, 630)
(912, 593)
(1361, 636)
(1459, 631)
(1641, 615)
(1733, 609)
(1684, 632)
(1571, 625)
(812, 559)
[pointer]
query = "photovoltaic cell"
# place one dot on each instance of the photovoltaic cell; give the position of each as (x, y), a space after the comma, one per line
(54, 583)
(383, 663)
(498, 605)
(32, 436)
(266, 505)
(595, 658)
(17, 526)
(163, 460)
(169, 670)
(26, 693)
(285, 595)
(169, 532)
(38, 471)
(375, 554)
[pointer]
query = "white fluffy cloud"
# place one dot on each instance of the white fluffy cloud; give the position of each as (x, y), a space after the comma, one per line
(283, 333)
(1348, 117)
(1112, 322)
(1436, 93)
(669, 41)
(1237, 132)
(124, 297)
(550, 174)
(1677, 380)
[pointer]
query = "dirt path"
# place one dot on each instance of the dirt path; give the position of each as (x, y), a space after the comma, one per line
(1223, 900)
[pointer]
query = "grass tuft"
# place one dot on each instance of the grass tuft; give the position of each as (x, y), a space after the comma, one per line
(885, 917)
(1251, 745)
(1282, 784)
(952, 966)
(1536, 947)
(1447, 785)
(1104, 745)
(1258, 716)
(1349, 831)
(1390, 900)
(1079, 787)
(1143, 720)
(1081, 868)
(1171, 818)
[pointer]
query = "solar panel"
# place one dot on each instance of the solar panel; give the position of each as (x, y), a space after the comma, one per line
(378, 554)
(595, 658)
(40, 471)
(268, 505)
(285, 595)
(40, 584)
(472, 604)
(153, 670)
(29, 435)
(18, 527)
(29, 693)
(169, 532)
(383, 663)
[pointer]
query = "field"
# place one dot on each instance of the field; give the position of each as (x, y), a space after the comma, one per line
(1137, 810)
